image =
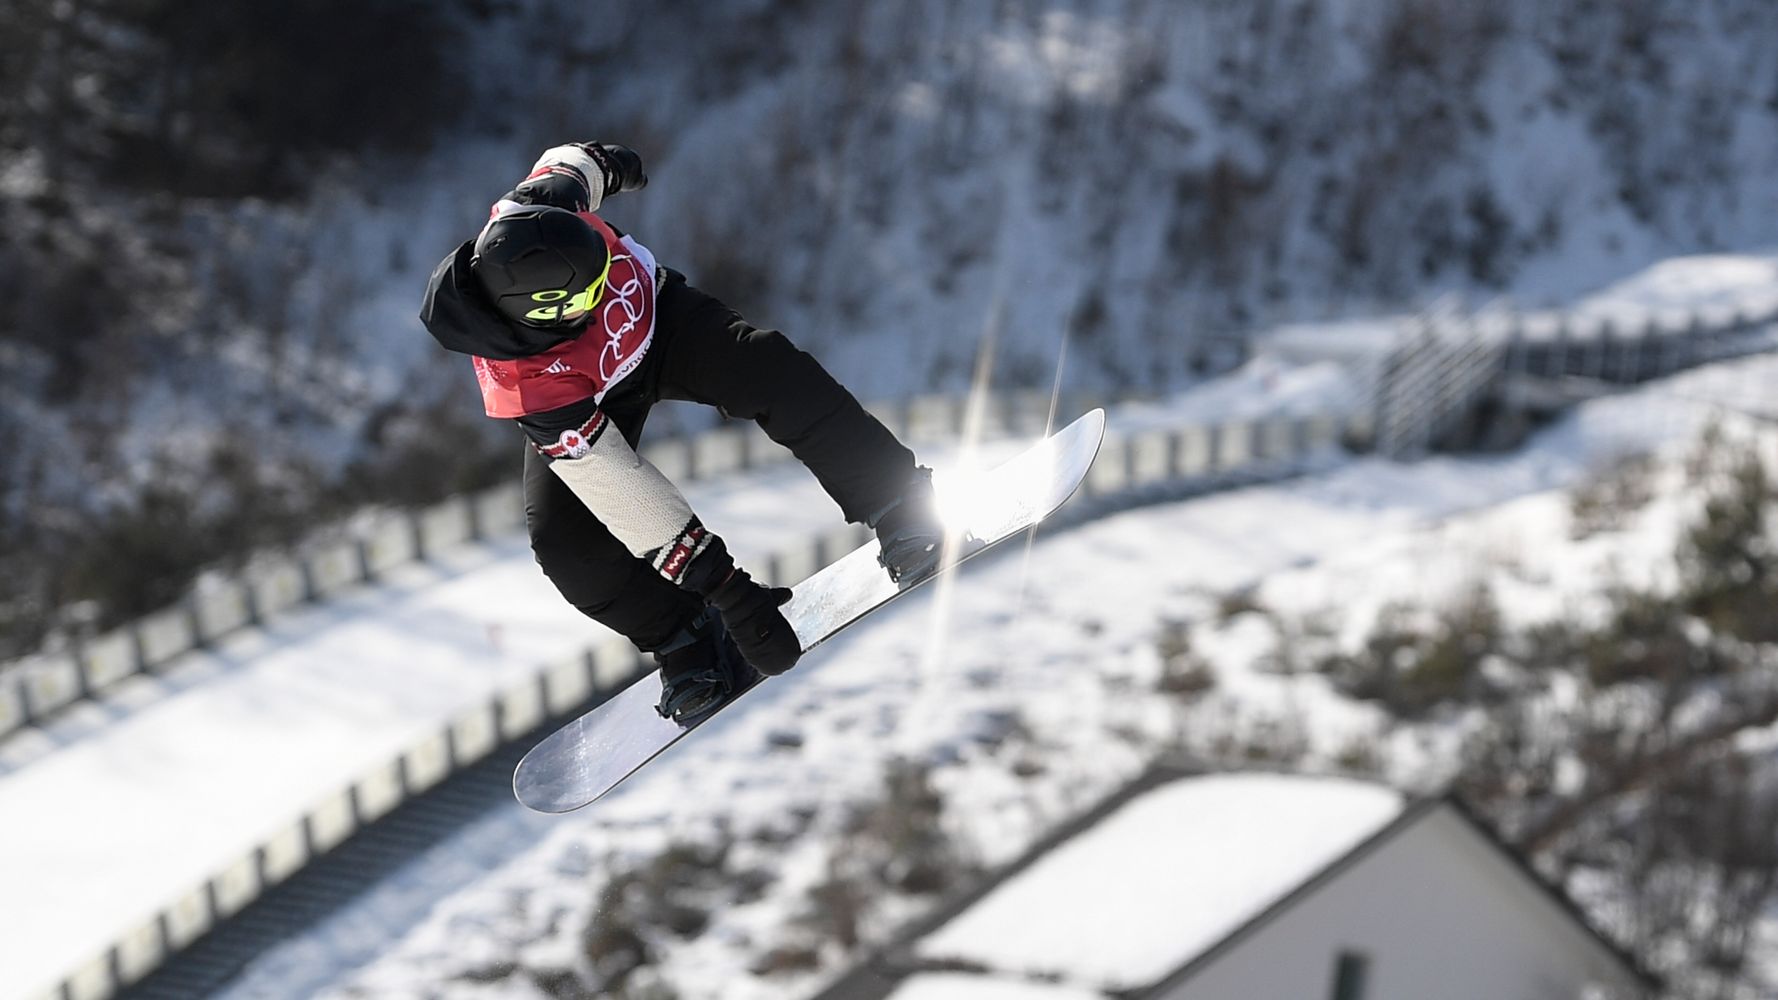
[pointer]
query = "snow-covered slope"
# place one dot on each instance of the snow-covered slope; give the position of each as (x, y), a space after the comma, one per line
(310, 673)
(1023, 695)
(895, 185)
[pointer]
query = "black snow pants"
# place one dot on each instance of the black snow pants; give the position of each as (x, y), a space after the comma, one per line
(704, 352)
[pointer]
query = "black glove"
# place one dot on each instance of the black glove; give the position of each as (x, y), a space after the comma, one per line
(751, 613)
(621, 165)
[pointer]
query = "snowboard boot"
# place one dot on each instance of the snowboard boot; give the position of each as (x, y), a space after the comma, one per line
(700, 670)
(910, 533)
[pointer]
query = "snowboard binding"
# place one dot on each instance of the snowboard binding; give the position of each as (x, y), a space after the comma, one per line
(701, 669)
(910, 533)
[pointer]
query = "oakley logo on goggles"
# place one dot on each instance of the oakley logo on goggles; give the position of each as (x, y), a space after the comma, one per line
(562, 304)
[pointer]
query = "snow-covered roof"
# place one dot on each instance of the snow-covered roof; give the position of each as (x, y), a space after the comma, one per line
(964, 986)
(1163, 878)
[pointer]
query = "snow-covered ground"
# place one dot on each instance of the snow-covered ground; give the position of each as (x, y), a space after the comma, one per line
(961, 986)
(316, 699)
(1056, 647)
(1043, 651)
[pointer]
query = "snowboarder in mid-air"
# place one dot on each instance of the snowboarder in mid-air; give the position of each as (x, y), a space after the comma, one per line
(575, 332)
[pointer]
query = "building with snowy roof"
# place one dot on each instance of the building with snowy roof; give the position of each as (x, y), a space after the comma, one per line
(1234, 887)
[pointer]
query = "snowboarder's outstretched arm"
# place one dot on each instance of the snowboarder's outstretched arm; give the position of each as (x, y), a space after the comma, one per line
(579, 176)
(652, 519)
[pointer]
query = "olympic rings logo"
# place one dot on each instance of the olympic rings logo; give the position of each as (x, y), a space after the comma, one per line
(623, 311)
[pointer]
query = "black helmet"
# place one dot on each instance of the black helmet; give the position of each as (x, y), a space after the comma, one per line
(538, 262)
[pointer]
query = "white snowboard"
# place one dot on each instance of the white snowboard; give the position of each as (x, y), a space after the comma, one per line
(588, 757)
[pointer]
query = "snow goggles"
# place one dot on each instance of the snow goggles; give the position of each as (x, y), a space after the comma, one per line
(563, 306)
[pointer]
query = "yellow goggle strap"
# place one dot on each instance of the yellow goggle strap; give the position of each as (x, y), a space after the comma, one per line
(560, 301)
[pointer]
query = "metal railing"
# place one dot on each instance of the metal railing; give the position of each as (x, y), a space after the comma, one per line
(1431, 383)
(1427, 391)
(37, 688)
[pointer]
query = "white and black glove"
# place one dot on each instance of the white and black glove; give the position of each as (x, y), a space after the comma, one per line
(578, 176)
(620, 165)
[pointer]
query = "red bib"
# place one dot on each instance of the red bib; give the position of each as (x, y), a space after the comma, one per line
(616, 336)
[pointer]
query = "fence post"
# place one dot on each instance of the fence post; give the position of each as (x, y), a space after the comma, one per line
(1694, 337)
(1629, 355)
(1558, 356)
(1651, 332)
(1599, 356)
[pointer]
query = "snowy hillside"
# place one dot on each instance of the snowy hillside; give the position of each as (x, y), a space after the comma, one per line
(946, 737)
(896, 186)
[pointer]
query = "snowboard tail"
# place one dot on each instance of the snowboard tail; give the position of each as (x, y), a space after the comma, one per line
(588, 757)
